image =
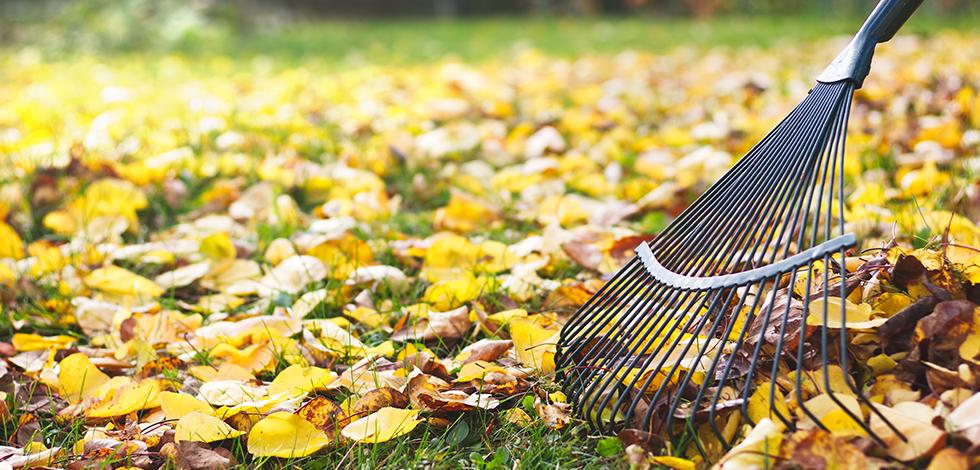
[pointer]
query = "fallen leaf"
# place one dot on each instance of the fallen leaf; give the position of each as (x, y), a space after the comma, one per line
(177, 405)
(554, 415)
(819, 449)
(965, 419)
(484, 350)
(285, 435)
(324, 414)
(78, 378)
(118, 281)
(383, 397)
(299, 380)
(183, 276)
(534, 342)
(444, 326)
(131, 397)
(856, 316)
(914, 421)
(197, 456)
(201, 427)
(383, 425)
(949, 459)
(759, 447)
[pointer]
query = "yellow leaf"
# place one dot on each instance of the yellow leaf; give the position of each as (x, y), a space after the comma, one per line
(32, 342)
(11, 245)
(382, 425)
(218, 246)
(78, 378)
(890, 303)
(675, 463)
(285, 435)
(476, 370)
(834, 418)
(881, 364)
(450, 255)
(857, 316)
(114, 280)
(278, 250)
(7, 275)
(504, 317)
(201, 427)
(60, 222)
(517, 417)
(449, 294)
(924, 180)
(464, 213)
(535, 344)
(758, 448)
(127, 399)
(760, 408)
(299, 380)
(178, 405)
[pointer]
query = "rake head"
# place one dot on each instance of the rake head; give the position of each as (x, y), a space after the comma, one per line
(741, 296)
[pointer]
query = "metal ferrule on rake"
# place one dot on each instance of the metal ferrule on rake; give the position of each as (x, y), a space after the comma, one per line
(709, 314)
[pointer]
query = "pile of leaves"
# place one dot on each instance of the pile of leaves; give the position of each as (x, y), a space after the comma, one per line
(213, 263)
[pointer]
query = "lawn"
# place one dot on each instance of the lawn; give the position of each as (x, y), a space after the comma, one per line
(353, 244)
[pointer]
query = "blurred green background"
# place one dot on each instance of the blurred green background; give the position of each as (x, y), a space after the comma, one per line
(419, 30)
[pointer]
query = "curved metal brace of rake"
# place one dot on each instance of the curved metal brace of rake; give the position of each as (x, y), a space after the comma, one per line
(736, 239)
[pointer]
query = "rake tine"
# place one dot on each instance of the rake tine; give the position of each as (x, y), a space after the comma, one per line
(605, 292)
(749, 318)
(758, 349)
(661, 319)
(647, 293)
(611, 375)
(766, 160)
(588, 380)
(657, 353)
(697, 359)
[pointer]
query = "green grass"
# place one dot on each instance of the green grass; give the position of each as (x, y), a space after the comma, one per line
(421, 40)
(483, 441)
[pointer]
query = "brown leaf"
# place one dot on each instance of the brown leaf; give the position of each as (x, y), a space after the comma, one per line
(198, 456)
(485, 350)
(323, 413)
(27, 430)
(941, 379)
(376, 399)
(571, 296)
(940, 334)
(623, 248)
(818, 449)
(649, 441)
(583, 252)
(455, 400)
(443, 326)
(906, 270)
(784, 306)
(554, 415)
(896, 333)
(427, 363)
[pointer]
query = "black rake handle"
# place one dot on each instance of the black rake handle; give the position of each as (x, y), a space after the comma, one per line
(854, 62)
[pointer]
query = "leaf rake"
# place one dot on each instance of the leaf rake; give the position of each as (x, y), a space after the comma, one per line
(742, 288)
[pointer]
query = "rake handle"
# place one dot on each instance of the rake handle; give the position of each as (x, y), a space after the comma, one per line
(854, 62)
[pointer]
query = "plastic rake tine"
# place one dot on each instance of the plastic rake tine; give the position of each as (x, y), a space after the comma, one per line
(663, 334)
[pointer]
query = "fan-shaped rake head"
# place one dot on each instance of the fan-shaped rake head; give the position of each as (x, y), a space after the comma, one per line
(740, 300)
